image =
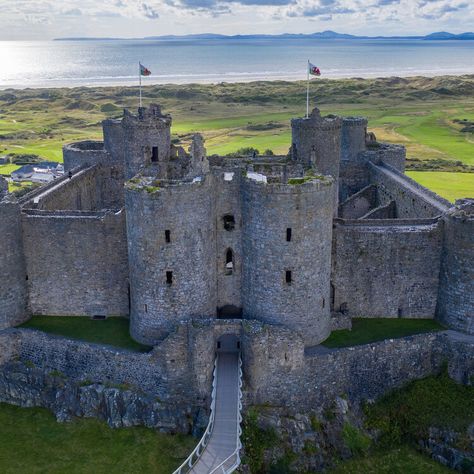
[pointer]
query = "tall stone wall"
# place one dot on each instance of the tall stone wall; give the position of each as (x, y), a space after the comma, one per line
(456, 290)
(229, 238)
(91, 189)
(386, 269)
(359, 203)
(268, 211)
(413, 200)
(174, 280)
(13, 289)
(76, 262)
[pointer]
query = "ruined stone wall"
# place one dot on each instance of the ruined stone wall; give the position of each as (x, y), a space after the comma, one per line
(84, 154)
(229, 238)
(91, 189)
(315, 379)
(187, 211)
(359, 203)
(413, 200)
(386, 268)
(353, 176)
(13, 289)
(389, 154)
(267, 212)
(76, 262)
(456, 290)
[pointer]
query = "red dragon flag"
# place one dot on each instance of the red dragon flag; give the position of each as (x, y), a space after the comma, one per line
(313, 70)
(144, 71)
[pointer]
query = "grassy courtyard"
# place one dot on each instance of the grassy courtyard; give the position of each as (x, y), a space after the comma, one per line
(367, 330)
(111, 331)
(31, 441)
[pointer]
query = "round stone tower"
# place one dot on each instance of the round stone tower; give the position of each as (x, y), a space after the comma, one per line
(171, 247)
(146, 140)
(456, 287)
(316, 142)
(354, 130)
(287, 254)
(13, 284)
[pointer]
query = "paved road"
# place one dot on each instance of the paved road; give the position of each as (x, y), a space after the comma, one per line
(223, 439)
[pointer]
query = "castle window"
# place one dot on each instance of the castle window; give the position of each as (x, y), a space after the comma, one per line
(169, 278)
(288, 277)
(229, 222)
(229, 262)
(146, 308)
(154, 154)
(168, 236)
(288, 234)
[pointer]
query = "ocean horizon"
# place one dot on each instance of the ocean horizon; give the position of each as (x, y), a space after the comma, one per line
(76, 63)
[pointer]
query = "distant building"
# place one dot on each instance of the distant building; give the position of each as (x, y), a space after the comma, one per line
(43, 172)
(4, 160)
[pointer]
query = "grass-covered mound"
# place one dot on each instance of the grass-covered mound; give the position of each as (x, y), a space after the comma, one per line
(405, 415)
(31, 441)
(402, 460)
(111, 331)
(367, 330)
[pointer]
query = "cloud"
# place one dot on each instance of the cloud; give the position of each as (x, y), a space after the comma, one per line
(149, 11)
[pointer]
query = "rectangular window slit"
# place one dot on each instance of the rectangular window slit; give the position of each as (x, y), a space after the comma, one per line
(288, 276)
(168, 236)
(288, 234)
(154, 154)
(169, 278)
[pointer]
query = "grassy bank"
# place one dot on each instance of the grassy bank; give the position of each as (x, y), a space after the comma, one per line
(31, 441)
(111, 331)
(422, 113)
(367, 330)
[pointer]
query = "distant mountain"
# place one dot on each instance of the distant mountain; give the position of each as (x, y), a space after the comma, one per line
(328, 34)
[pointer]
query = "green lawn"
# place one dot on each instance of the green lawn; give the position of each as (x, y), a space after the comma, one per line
(367, 330)
(112, 331)
(32, 442)
(449, 185)
(8, 169)
(403, 460)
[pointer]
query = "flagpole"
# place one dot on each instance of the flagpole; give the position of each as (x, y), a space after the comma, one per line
(307, 90)
(140, 81)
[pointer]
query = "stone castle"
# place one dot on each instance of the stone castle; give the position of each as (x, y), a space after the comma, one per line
(142, 228)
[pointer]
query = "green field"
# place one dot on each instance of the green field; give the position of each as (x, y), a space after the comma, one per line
(111, 331)
(367, 330)
(31, 441)
(451, 186)
(421, 113)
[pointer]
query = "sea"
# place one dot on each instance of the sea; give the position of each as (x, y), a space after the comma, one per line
(76, 63)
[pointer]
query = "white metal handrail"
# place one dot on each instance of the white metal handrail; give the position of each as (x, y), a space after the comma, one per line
(191, 460)
(236, 453)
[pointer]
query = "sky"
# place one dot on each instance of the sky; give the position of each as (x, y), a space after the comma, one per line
(48, 19)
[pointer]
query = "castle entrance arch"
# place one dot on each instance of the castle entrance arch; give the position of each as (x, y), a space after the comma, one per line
(228, 343)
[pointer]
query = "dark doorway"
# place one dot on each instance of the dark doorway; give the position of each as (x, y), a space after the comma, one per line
(228, 343)
(229, 311)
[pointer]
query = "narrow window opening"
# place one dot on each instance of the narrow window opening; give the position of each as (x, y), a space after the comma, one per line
(169, 278)
(154, 154)
(324, 303)
(218, 344)
(26, 277)
(229, 262)
(288, 234)
(400, 313)
(168, 236)
(229, 222)
(238, 344)
(146, 308)
(288, 277)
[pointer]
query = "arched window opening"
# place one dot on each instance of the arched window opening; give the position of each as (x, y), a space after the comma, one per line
(229, 222)
(229, 262)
